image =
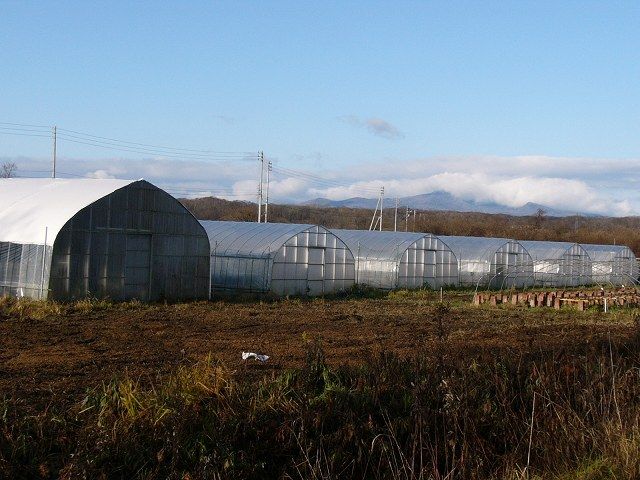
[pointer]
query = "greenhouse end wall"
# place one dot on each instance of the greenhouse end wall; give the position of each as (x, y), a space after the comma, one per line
(389, 260)
(491, 262)
(313, 262)
(136, 243)
(284, 259)
(612, 264)
(105, 238)
(559, 264)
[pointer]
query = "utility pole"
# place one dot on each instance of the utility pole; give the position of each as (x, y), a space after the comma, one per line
(261, 155)
(266, 205)
(381, 205)
(414, 219)
(395, 216)
(375, 219)
(55, 138)
(375, 214)
(406, 219)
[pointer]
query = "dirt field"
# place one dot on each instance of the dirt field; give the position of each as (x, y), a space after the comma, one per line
(55, 359)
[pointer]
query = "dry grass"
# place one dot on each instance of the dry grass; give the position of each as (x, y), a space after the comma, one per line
(430, 417)
(447, 392)
(26, 308)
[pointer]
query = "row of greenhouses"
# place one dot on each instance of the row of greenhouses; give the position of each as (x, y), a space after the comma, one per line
(72, 238)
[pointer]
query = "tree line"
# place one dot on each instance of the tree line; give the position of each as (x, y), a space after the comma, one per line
(581, 229)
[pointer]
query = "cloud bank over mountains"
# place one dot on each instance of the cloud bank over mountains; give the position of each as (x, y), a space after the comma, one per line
(598, 186)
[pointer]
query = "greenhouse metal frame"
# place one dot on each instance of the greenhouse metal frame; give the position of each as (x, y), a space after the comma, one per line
(280, 258)
(612, 264)
(491, 262)
(390, 260)
(66, 239)
(559, 264)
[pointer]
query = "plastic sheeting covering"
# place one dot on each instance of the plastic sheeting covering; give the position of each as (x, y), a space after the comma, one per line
(282, 258)
(491, 262)
(559, 264)
(105, 238)
(28, 205)
(389, 260)
(612, 264)
(24, 270)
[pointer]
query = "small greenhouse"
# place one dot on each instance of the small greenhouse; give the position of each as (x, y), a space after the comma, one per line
(389, 260)
(491, 262)
(66, 239)
(281, 258)
(559, 264)
(612, 264)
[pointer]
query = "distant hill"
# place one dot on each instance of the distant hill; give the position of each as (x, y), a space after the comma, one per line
(441, 201)
(572, 228)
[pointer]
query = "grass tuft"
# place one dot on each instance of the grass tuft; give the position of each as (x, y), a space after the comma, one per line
(433, 416)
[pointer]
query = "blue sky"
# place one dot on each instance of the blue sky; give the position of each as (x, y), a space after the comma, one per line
(363, 93)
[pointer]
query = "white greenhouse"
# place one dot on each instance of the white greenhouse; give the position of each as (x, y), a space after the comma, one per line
(559, 264)
(280, 258)
(390, 260)
(491, 262)
(612, 264)
(66, 239)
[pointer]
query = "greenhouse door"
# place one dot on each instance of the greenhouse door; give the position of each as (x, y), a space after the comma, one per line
(137, 267)
(315, 271)
(507, 273)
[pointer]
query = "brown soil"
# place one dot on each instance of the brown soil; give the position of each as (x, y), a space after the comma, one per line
(57, 358)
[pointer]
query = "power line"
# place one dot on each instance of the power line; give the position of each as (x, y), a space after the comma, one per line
(158, 147)
(298, 173)
(74, 136)
(24, 125)
(22, 129)
(24, 134)
(159, 153)
(204, 189)
(323, 181)
(74, 175)
(159, 150)
(207, 192)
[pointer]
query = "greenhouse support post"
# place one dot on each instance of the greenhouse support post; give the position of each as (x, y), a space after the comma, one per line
(44, 260)
(358, 263)
(212, 265)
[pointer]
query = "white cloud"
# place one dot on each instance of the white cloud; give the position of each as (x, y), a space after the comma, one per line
(100, 174)
(603, 186)
(245, 190)
(559, 193)
(287, 188)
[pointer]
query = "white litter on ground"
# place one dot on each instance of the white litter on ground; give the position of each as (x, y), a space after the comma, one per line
(248, 355)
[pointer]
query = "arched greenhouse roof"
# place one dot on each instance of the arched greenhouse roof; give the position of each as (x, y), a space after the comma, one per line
(28, 205)
(377, 244)
(251, 238)
(543, 250)
(606, 253)
(477, 248)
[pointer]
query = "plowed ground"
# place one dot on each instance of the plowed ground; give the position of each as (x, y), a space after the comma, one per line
(55, 359)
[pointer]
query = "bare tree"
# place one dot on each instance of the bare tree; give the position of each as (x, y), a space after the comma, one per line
(8, 170)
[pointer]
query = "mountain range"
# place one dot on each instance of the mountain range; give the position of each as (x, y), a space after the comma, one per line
(443, 201)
